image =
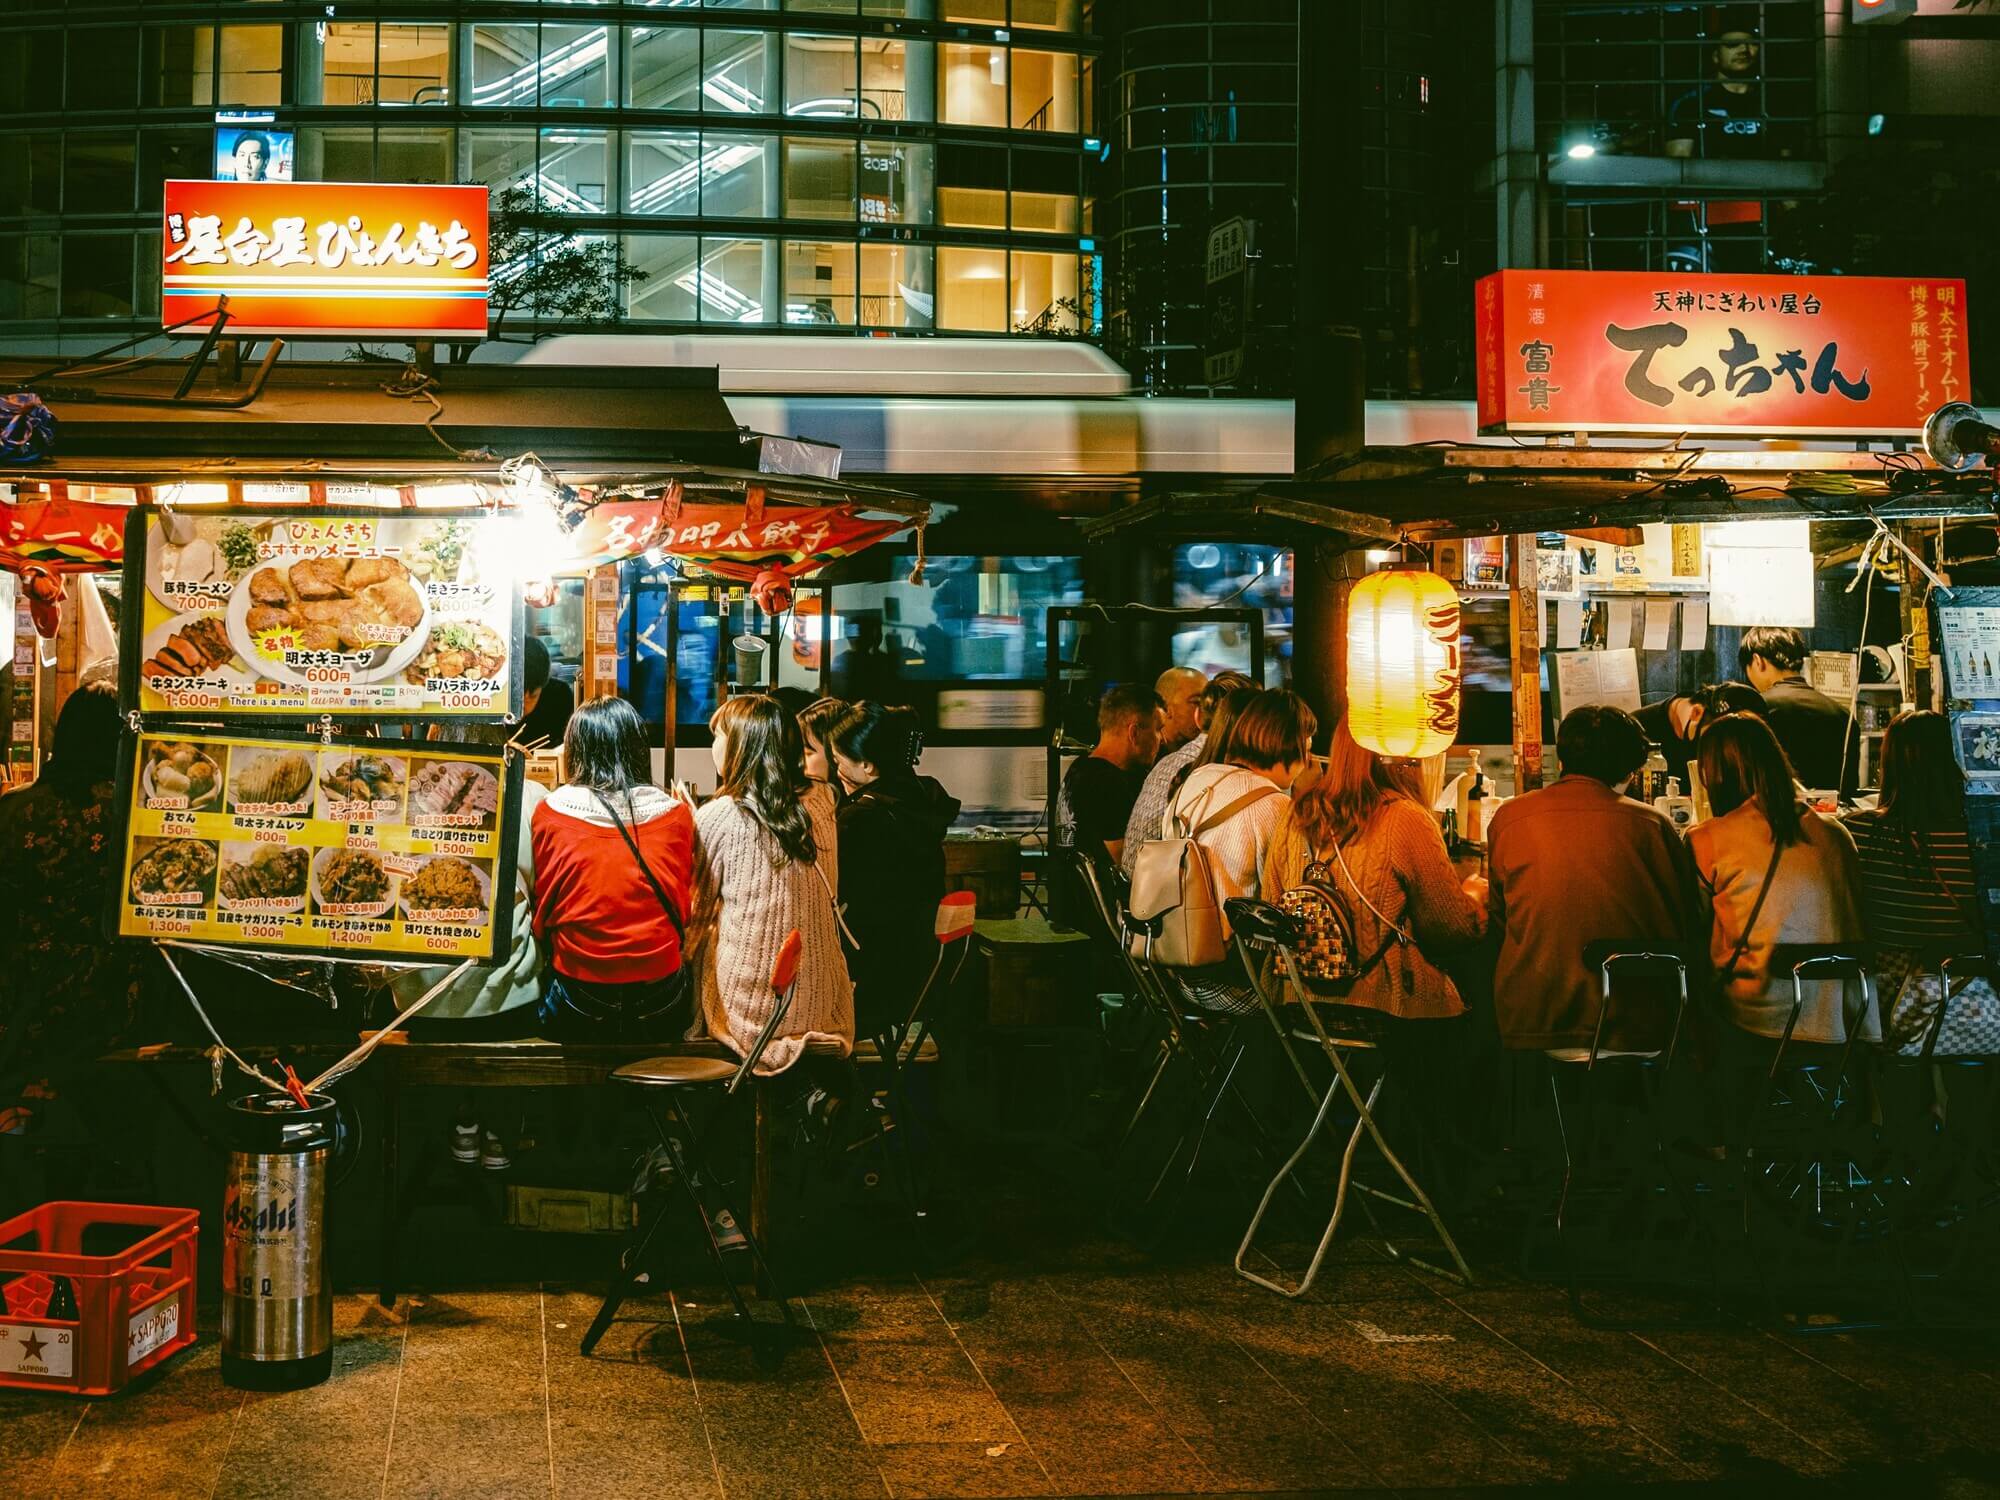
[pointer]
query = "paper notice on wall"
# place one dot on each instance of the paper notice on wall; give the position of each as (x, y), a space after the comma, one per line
(1569, 624)
(605, 669)
(1618, 629)
(1608, 677)
(606, 622)
(604, 584)
(1659, 623)
(1834, 673)
(1971, 647)
(1694, 625)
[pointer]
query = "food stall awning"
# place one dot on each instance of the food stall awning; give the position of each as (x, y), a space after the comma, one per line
(1441, 490)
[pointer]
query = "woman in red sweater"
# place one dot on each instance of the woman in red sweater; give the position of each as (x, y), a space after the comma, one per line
(614, 857)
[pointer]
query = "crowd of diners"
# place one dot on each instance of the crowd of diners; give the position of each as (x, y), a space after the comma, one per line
(1575, 861)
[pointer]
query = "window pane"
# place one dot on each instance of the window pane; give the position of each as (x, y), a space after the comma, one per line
(32, 183)
(896, 282)
(819, 179)
(739, 176)
(977, 12)
(972, 85)
(98, 174)
(176, 66)
(576, 67)
(739, 4)
(739, 72)
(253, 66)
(1048, 15)
(97, 276)
(27, 277)
(896, 183)
(31, 71)
(164, 154)
(503, 64)
(576, 170)
(663, 171)
(663, 67)
(972, 187)
(1208, 573)
(819, 283)
(898, 79)
(972, 289)
(827, 7)
(146, 291)
(336, 155)
(1042, 292)
(404, 155)
(732, 287)
(1044, 87)
(346, 62)
(103, 68)
(977, 618)
(415, 64)
(1045, 197)
(820, 76)
(669, 261)
(499, 158)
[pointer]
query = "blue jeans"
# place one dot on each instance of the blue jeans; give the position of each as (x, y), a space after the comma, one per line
(654, 1010)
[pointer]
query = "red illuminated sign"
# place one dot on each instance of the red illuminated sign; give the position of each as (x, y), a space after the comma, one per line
(1644, 351)
(339, 259)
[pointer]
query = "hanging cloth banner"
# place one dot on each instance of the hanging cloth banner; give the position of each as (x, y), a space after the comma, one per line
(724, 539)
(64, 536)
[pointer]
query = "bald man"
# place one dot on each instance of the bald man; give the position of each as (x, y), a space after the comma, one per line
(1180, 689)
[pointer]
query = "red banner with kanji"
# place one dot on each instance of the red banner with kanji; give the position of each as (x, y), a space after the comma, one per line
(64, 536)
(1644, 351)
(729, 537)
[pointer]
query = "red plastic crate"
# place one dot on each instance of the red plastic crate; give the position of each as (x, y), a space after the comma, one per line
(135, 1305)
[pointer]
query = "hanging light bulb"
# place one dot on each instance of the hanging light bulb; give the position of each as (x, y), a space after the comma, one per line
(1403, 663)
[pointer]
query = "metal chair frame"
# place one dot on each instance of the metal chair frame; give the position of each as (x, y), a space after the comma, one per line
(893, 1046)
(1335, 1049)
(682, 1143)
(1646, 1172)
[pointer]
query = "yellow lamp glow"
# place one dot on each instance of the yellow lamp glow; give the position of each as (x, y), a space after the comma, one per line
(1403, 664)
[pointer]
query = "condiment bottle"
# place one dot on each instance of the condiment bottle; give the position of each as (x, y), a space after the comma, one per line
(1475, 809)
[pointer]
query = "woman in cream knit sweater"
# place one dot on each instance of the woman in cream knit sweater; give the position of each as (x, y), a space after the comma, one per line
(765, 864)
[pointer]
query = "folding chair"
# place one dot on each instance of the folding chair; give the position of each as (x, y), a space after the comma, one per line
(666, 1083)
(1612, 1131)
(1356, 1032)
(1808, 1155)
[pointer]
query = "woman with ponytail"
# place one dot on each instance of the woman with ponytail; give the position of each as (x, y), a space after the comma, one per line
(766, 863)
(892, 828)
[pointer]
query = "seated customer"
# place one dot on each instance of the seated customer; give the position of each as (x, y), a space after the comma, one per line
(1098, 792)
(613, 858)
(1917, 890)
(1576, 862)
(767, 865)
(1233, 808)
(1367, 824)
(546, 700)
(1774, 871)
(1164, 778)
(892, 828)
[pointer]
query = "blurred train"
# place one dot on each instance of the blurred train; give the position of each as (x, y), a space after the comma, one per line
(1012, 440)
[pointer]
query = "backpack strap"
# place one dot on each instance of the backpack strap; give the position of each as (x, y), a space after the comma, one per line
(1231, 808)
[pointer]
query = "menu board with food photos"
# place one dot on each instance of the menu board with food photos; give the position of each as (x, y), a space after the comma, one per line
(400, 849)
(302, 613)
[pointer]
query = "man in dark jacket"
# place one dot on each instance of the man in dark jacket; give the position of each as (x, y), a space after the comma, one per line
(1813, 729)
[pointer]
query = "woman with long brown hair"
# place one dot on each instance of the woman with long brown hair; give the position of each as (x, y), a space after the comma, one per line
(1774, 872)
(1364, 831)
(766, 864)
(1917, 890)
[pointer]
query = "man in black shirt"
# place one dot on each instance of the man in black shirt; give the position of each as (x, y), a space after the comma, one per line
(1674, 724)
(1725, 116)
(1098, 792)
(546, 700)
(1815, 731)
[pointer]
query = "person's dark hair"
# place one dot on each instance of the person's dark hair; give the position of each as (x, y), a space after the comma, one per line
(1721, 698)
(816, 720)
(1222, 724)
(535, 665)
(1923, 790)
(1220, 686)
(1125, 704)
(763, 768)
(1780, 645)
(604, 749)
(876, 734)
(1274, 729)
(1601, 742)
(84, 750)
(1741, 761)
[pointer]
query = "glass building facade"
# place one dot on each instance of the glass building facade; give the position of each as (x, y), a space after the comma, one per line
(846, 165)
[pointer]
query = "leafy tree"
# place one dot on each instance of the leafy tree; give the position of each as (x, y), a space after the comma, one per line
(541, 267)
(1061, 319)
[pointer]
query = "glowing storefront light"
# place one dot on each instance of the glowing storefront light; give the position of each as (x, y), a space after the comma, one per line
(1403, 663)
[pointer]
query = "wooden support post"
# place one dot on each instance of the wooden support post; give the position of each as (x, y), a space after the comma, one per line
(1524, 615)
(1916, 616)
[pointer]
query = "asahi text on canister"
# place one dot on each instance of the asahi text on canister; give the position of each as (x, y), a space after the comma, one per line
(277, 1301)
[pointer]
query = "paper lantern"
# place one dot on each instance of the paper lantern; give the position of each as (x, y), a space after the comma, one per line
(1403, 664)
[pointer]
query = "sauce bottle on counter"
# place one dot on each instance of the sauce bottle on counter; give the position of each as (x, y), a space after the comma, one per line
(1475, 809)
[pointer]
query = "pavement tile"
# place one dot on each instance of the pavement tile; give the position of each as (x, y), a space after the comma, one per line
(471, 1409)
(167, 1437)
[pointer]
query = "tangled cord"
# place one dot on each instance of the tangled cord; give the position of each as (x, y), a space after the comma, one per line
(413, 384)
